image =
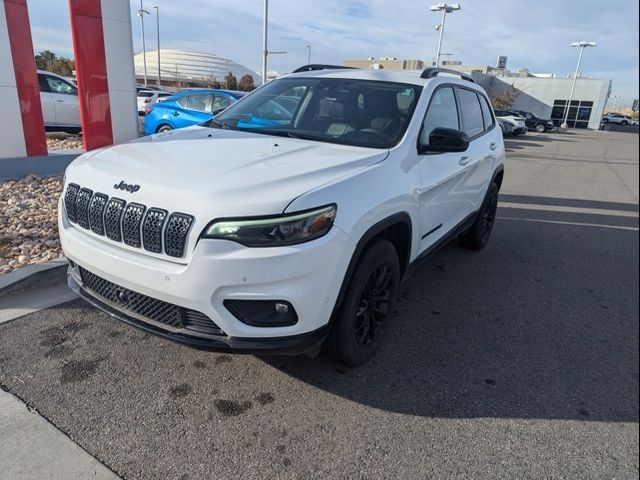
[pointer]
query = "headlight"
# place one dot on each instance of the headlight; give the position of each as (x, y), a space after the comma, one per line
(287, 229)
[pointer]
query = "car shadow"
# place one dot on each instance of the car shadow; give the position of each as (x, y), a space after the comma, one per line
(542, 324)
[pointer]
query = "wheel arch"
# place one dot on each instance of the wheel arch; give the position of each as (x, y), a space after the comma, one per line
(397, 229)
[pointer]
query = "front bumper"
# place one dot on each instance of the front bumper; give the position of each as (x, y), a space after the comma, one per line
(308, 276)
(290, 345)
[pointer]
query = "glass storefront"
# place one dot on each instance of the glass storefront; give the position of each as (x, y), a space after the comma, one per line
(579, 113)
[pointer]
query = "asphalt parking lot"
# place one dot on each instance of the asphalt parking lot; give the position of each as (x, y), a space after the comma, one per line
(520, 361)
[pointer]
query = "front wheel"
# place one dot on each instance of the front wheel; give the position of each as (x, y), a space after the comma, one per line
(164, 128)
(541, 128)
(361, 320)
(624, 122)
(477, 237)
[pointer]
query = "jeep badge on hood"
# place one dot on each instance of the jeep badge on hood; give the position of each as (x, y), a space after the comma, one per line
(128, 188)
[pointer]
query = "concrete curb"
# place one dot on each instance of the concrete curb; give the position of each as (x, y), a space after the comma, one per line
(41, 274)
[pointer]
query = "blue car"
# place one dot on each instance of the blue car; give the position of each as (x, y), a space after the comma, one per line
(187, 108)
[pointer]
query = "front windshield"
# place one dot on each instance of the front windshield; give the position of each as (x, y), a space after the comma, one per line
(361, 113)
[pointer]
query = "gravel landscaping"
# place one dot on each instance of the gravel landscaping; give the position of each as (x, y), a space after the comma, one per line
(28, 221)
(64, 142)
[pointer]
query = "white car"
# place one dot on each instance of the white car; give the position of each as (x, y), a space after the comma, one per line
(147, 98)
(618, 118)
(519, 123)
(258, 233)
(59, 99)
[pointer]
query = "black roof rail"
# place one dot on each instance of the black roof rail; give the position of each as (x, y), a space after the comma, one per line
(317, 66)
(433, 72)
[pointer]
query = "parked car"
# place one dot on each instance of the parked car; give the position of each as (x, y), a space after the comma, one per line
(618, 118)
(240, 236)
(518, 122)
(187, 108)
(535, 123)
(59, 99)
(507, 127)
(148, 98)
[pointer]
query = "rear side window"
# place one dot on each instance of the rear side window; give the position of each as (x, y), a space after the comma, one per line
(472, 123)
(486, 113)
(220, 102)
(57, 85)
(44, 85)
(442, 113)
(145, 94)
(201, 102)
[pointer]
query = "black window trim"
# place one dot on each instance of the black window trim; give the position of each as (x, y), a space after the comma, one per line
(424, 117)
(461, 121)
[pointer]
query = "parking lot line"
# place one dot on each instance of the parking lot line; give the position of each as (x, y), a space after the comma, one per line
(579, 224)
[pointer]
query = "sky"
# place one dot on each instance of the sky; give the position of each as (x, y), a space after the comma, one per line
(535, 34)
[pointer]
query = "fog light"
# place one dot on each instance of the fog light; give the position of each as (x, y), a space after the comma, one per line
(282, 308)
(263, 313)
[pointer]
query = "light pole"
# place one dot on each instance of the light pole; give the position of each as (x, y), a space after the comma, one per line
(444, 8)
(142, 12)
(157, 7)
(582, 44)
(615, 101)
(265, 48)
(308, 54)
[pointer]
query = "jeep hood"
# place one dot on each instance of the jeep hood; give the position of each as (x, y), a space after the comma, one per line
(214, 173)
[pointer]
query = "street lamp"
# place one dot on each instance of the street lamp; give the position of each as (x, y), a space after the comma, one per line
(615, 100)
(444, 8)
(308, 54)
(157, 8)
(265, 48)
(142, 12)
(582, 44)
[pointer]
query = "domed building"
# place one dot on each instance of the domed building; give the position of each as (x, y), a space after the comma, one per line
(188, 69)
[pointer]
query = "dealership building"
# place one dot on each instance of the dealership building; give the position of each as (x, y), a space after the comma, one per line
(544, 95)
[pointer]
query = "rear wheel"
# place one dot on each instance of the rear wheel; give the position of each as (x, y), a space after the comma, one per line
(359, 326)
(540, 128)
(477, 237)
(164, 128)
(624, 122)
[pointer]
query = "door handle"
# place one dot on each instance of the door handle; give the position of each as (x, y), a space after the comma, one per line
(464, 160)
(175, 114)
(493, 146)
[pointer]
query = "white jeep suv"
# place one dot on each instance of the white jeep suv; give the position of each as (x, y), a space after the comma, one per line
(291, 218)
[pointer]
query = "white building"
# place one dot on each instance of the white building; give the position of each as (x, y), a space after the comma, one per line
(189, 67)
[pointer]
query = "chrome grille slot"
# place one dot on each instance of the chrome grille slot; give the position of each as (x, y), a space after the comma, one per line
(131, 221)
(82, 207)
(112, 216)
(175, 235)
(96, 213)
(152, 229)
(70, 201)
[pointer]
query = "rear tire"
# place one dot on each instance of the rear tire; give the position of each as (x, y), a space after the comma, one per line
(164, 128)
(541, 128)
(359, 326)
(477, 237)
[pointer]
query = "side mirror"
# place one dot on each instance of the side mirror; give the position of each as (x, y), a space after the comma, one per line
(445, 140)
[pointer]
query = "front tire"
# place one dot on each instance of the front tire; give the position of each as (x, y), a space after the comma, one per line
(541, 128)
(477, 237)
(361, 320)
(164, 128)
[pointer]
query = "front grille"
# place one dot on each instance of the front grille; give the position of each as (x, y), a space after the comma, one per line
(70, 201)
(131, 224)
(82, 207)
(176, 233)
(153, 229)
(148, 307)
(96, 213)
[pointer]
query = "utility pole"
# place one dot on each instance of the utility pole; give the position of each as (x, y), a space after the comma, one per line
(142, 12)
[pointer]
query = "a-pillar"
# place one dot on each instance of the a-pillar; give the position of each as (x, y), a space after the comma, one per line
(22, 129)
(103, 53)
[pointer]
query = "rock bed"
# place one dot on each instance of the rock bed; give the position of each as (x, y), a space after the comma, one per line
(64, 142)
(28, 221)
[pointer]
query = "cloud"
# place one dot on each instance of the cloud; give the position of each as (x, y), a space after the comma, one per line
(535, 35)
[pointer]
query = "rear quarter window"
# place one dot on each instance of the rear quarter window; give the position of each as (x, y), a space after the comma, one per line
(471, 112)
